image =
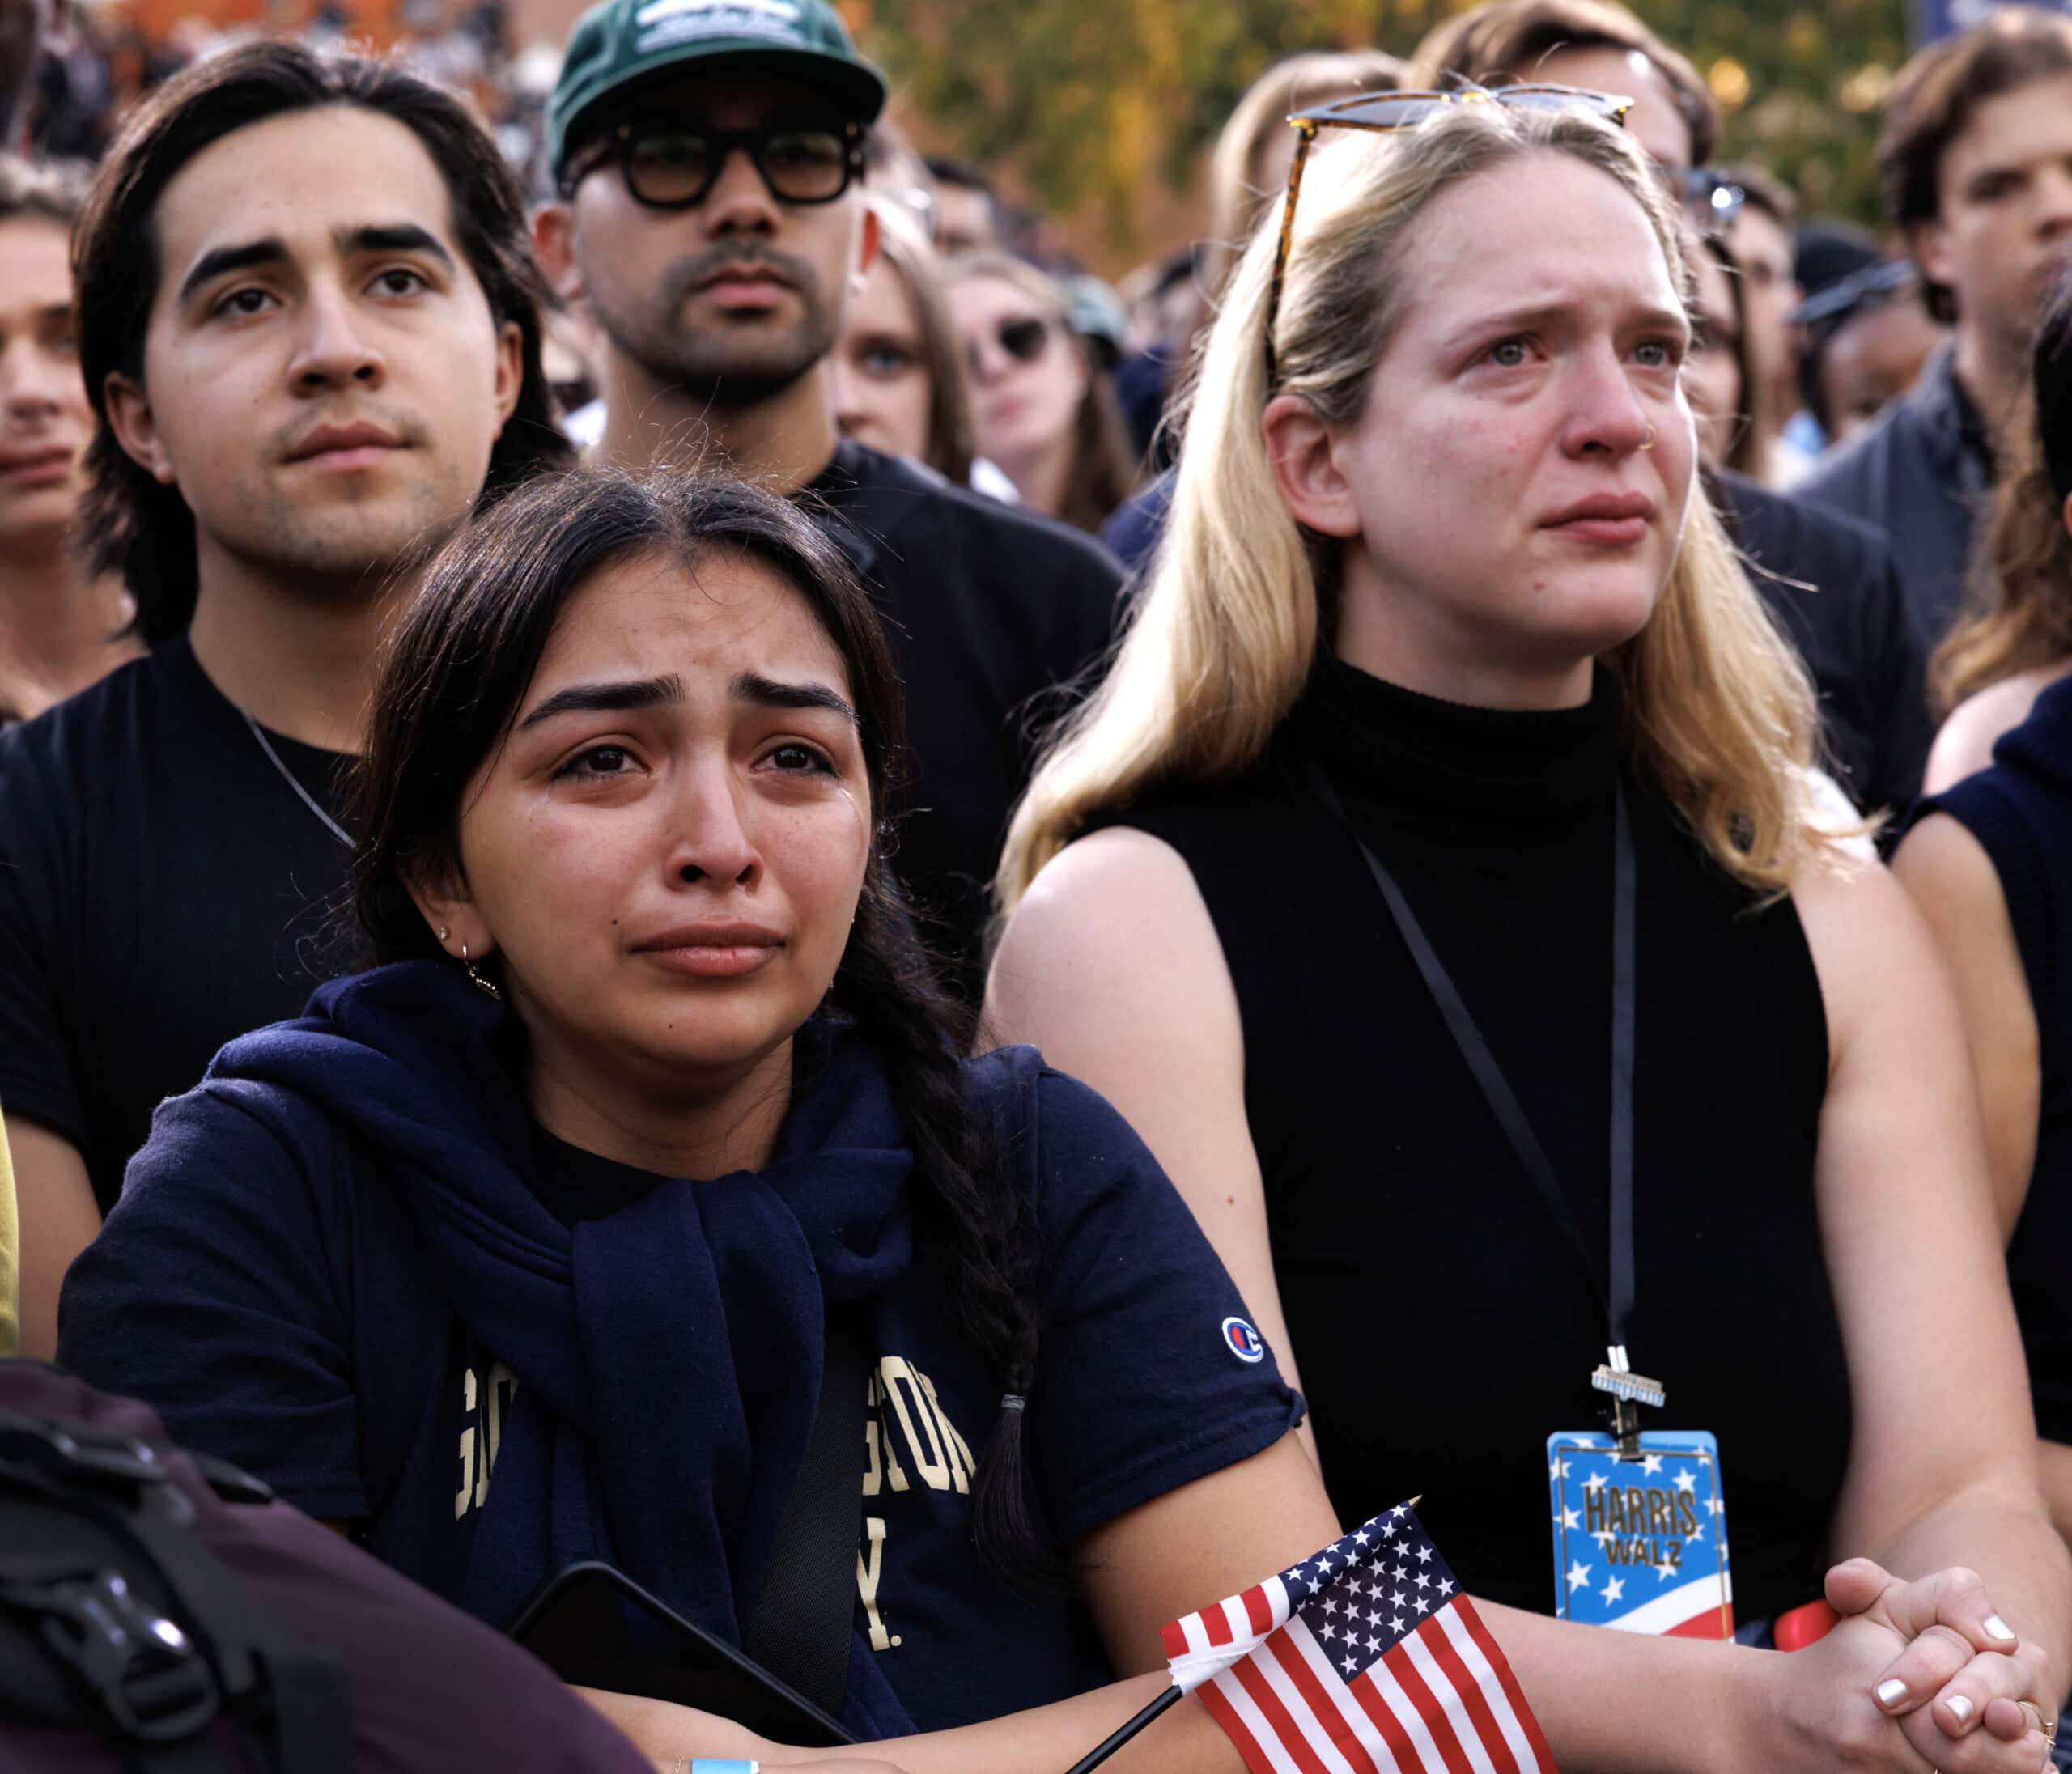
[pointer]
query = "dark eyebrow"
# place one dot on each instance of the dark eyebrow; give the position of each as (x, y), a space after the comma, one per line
(751, 688)
(396, 237)
(604, 698)
(232, 258)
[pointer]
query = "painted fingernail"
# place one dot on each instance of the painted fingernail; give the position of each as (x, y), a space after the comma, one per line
(1890, 1693)
(1998, 1628)
(1962, 1708)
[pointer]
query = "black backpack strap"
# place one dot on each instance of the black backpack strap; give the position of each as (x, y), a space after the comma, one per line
(152, 1684)
(804, 1620)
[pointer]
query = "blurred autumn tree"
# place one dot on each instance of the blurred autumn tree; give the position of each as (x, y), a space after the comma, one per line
(1090, 102)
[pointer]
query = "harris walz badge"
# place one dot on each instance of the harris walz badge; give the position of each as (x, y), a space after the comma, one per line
(1640, 1537)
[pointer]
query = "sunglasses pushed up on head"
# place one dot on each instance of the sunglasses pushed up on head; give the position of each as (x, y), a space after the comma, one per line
(1381, 112)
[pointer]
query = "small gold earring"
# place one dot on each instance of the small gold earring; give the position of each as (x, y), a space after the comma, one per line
(481, 984)
(443, 933)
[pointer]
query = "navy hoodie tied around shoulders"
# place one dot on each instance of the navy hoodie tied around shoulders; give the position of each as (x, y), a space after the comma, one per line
(605, 1317)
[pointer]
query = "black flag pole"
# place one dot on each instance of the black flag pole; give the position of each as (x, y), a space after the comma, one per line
(1111, 1744)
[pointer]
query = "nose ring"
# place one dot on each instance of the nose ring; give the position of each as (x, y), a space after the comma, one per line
(1649, 444)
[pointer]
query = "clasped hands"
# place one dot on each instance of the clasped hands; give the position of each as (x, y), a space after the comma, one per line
(1966, 1693)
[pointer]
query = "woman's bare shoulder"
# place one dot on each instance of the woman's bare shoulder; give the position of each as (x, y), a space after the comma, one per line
(1964, 745)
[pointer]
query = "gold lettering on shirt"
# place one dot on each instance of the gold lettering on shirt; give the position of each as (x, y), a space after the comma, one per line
(933, 1449)
(485, 1402)
(869, 1567)
(925, 1447)
(893, 1469)
(466, 1494)
(960, 1463)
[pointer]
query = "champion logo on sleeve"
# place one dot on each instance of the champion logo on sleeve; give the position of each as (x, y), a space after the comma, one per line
(1243, 1341)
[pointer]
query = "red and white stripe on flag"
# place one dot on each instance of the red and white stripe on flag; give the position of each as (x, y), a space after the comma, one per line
(1232, 1621)
(1442, 1701)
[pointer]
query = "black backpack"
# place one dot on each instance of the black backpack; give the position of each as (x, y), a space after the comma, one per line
(162, 1614)
(116, 1619)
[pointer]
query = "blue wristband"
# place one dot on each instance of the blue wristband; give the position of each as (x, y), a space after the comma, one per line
(707, 1764)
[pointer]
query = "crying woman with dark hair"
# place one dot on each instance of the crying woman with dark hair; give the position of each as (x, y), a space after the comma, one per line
(520, 1246)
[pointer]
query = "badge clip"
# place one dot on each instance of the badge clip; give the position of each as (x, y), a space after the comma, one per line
(1629, 1390)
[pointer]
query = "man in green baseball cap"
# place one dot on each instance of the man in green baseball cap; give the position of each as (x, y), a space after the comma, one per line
(620, 42)
(710, 159)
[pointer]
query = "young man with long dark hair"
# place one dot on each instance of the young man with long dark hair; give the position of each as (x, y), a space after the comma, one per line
(309, 331)
(714, 216)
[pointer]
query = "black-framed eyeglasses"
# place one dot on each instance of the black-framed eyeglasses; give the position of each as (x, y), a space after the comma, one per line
(1711, 199)
(1383, 112)
(668, 166)
(1023, 338)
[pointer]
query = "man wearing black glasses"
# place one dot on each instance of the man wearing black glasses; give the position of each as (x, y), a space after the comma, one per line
(709, 155)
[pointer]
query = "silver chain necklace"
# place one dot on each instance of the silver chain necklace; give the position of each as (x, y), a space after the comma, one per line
(288, 776)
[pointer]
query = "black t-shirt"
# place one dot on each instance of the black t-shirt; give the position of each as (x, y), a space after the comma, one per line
(162, 889)
(987, 609)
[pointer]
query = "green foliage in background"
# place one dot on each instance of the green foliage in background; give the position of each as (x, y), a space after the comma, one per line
(1091, 100)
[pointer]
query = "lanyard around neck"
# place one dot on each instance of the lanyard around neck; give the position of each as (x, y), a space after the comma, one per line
(1496, 1089)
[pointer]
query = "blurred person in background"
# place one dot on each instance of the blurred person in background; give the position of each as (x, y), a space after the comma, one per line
(60, 625)
(1976, 158)
(1868, 337)
(1990, 862)
(1045, 409)
(1830, 583)
(893, 167)
(2014, 638)
(1760, 232)
(968, 213)
(1592, 43)
(23, 24)
(1164, 305)
(898, 367)
(1719, 375)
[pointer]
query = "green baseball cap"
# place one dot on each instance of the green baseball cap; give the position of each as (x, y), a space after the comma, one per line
(618, 41)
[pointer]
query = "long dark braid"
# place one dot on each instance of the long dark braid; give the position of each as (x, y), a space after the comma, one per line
(969, 1194)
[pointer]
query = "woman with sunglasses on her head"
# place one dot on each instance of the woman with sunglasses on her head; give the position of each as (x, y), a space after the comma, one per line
(1438, 593)
(1045, 411)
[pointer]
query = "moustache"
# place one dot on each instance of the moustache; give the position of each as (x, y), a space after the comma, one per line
(688, 274)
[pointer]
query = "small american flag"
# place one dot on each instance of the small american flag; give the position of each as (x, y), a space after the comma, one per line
(1364, 1659)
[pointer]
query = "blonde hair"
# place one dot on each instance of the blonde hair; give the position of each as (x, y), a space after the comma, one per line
(1718, 711)
(1235, 198)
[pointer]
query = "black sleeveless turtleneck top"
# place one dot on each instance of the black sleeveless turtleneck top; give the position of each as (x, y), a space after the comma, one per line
(1443, 1325)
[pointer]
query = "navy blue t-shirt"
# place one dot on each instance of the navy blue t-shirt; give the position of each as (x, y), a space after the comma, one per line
(264, 1286)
